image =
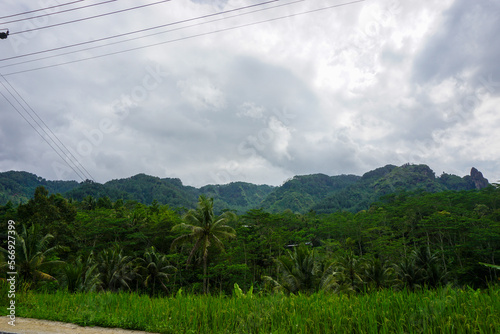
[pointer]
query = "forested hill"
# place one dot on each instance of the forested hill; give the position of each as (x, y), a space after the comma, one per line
(19, 187)
(317, 192)
(391, 179)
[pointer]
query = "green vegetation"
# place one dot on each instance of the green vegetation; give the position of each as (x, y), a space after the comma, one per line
(317, 192)
(203, 229)
(411, 262)
(438, 311)
(407, 240)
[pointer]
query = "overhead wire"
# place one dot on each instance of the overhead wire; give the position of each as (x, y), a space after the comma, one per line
(90, 17)
(45, 124)
(146, 29)
(39, 10)
(80, 172)
(187, 37)
(59, 12)
(151, 28)
(77, 171)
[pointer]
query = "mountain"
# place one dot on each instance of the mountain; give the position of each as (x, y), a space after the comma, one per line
(239, 196)
(145, 189)
(318, 192)
(392, 179)
(301, 192)
(142, 188)
(19, 187)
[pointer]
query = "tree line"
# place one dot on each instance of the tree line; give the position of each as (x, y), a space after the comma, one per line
(407, 240)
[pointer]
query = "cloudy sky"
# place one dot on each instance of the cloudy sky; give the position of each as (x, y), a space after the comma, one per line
(341, 90)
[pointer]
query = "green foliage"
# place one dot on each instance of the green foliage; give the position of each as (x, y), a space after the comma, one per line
(237, 196)
(407, 240)
(116, 270)
(18, 187)
(35, 259)
(300, 193)
(155, 270)
(389, 180)
(317, 192)
(443, 310)
(238, 293)
(303, 271)
(81, 275)
(490, 265)
(204, 229)
(50, 213)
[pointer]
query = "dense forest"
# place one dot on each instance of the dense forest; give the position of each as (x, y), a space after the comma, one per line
(301, 194)
(421, 238)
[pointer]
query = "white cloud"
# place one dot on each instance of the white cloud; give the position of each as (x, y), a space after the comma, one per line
(343, 90)
(202, 94)
(249, 109)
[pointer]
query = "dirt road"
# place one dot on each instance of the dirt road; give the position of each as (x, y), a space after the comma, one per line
(35, 326)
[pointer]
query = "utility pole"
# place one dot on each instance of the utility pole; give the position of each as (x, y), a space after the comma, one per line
(4, 35)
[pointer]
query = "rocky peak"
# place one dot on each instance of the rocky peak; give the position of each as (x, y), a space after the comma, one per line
(477, 178)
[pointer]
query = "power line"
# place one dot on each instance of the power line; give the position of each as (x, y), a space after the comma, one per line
(59, 12)
(38, 10)
(53, 134)
(90, 17)
(15, 108)
(157, 33)
(187, 37)
(80, 173)
(147, 29)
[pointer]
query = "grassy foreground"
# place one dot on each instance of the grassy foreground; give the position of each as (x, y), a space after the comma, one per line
(445, 310)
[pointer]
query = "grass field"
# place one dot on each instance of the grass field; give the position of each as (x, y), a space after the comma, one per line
(445, 310)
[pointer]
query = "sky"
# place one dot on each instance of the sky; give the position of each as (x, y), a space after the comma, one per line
(295, 88)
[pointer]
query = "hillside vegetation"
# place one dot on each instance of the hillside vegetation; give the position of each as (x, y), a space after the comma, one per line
(301, 194)
(428, 254)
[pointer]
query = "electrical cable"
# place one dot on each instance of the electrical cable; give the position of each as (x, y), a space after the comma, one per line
(36, 130)
(147, 29)
(59, 12)
(36, 114)
(80, 173)
(38, 10)
(187, 37)
(90, 17)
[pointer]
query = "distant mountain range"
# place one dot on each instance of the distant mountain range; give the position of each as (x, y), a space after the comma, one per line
(318, 192)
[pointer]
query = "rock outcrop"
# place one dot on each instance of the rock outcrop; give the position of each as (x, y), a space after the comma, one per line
(477, 178)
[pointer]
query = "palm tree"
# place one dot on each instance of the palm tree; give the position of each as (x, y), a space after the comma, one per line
(81, 275)
(350, 268)
(379, 273)
(203, 228)
(32, 254)
(155, 269)
(303, 271)
(409, 273)
(434, 273)
(89, 203)
(116, 270)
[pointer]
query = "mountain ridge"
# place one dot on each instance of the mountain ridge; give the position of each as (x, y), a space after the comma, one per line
(302, 193)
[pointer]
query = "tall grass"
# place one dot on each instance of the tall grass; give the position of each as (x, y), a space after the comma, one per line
(444, 310)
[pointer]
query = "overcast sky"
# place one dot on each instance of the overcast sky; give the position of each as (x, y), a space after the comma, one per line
(337, 91)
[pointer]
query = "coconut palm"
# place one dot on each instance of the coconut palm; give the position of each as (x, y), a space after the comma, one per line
(81, 275)
(34, 258)
(409, 273)
(155, 269)
(204, 229)
(434, 273)
(116, 270)
(303, 271)
(350, 268)
(379, 273)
